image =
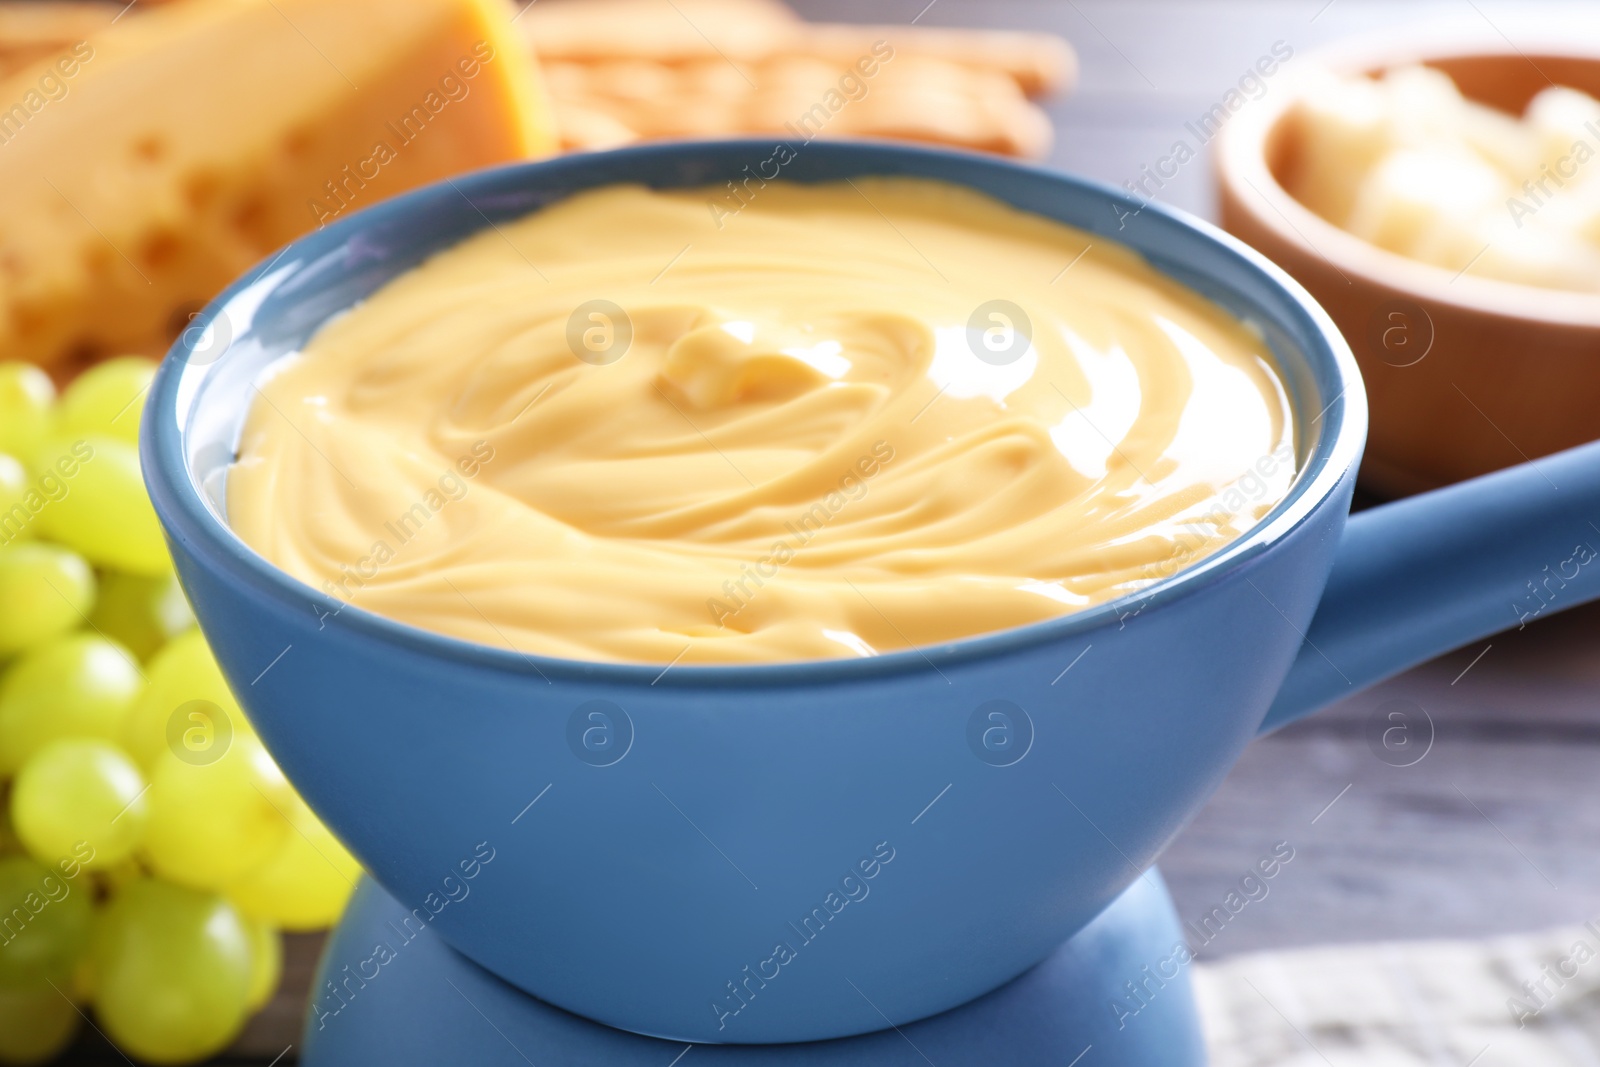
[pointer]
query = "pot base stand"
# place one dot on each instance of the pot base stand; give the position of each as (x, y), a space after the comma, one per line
(1101, 1000)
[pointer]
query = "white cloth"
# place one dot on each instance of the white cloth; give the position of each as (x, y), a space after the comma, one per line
(1409, 1004)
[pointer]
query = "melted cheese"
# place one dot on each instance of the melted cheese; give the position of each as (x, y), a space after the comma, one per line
(844, 420)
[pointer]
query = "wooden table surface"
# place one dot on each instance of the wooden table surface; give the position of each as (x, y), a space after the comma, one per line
(1497, 828)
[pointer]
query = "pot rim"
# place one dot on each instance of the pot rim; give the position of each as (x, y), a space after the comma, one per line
(187, 519)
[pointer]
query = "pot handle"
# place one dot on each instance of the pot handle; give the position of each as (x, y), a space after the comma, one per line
(1418, 577)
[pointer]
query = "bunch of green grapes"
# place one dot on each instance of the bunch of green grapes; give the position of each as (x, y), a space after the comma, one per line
(150, 849)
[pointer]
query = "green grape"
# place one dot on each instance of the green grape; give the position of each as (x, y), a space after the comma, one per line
(108, 399)
(266, 962)
(80, 686)
(182, 671)
(10, 843)
(78, 791)
(306, 883)
(212, 823)
(104, 512)
(16, 518)
(112, 878)
(36, 1024)
(172, 972)
(46, 591)
(47, 922)
(26, 395)
(82, 990)
(140, 611)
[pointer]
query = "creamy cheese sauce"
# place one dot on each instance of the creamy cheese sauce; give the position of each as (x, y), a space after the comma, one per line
(847, 419)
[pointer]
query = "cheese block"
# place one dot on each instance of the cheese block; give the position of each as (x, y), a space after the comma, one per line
(31, 30)
(1412, 191)
(149, 165)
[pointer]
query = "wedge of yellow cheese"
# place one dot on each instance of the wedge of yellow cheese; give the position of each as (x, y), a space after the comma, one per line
(149, 165)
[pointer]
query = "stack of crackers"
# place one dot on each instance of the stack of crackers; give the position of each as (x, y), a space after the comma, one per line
(629, 70)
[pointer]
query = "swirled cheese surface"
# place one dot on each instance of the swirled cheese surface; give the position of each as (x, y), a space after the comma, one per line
(836, 420)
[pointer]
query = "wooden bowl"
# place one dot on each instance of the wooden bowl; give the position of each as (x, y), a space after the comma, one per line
(1464, 374)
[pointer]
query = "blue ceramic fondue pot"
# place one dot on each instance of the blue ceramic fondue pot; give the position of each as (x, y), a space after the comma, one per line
(789, 852)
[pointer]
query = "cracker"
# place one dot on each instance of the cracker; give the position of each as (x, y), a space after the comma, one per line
(699, 68)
